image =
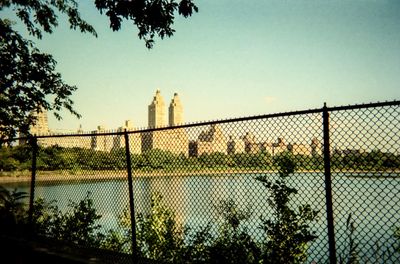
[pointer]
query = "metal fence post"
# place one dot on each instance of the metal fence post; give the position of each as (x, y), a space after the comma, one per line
(328, 186)
(131, 200)
(34, 145)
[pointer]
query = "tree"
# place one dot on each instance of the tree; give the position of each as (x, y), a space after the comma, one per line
(152, 17)
(28, 78)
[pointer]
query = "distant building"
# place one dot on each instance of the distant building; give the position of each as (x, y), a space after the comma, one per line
(316, 147)
(250, 144)
(156, 116)
(175, 111)
(210, 141)
(101, 142)
(266, 147)
(134, 138)
(279, 146)
(173, 140)
(235, 146)
(41, 126)
(299, 149)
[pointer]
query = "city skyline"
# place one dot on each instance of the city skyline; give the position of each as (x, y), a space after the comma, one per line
(232, 59)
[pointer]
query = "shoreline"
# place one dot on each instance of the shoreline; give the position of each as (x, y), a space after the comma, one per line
(66, 176)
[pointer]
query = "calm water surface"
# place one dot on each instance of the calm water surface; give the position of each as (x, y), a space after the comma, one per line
(373, 202)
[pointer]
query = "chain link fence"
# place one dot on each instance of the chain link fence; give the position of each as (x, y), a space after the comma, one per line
(247, 190)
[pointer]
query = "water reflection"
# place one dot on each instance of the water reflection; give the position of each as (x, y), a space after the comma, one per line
(373, 202)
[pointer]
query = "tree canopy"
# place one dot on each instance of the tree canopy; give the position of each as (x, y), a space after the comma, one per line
(29, 82)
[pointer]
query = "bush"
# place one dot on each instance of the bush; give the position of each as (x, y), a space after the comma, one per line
(159, 236)
(233, 244)
(77, 225)
(12, 210)
(287, 233)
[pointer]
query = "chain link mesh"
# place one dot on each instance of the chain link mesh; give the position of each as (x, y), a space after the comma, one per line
(365, 164)
(200, 170)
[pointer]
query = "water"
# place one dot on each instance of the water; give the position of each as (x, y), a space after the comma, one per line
(373, 202)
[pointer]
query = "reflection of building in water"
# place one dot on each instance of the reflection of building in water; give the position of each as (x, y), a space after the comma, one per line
(172, 190)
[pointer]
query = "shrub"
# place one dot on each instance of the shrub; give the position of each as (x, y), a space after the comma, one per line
(77, 225)
(159, 236)
(287, 233)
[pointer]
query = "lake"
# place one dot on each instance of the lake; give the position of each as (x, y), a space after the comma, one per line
(373, 202)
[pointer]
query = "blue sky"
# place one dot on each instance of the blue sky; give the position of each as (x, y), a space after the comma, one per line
(233, 58)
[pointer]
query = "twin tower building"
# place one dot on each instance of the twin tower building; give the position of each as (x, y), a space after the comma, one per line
(173, 140)
(157, 111)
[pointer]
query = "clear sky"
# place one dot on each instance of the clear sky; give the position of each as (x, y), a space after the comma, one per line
(234, 58)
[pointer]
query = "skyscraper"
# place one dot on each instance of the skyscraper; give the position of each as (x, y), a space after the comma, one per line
(175, 111)
(156, 111)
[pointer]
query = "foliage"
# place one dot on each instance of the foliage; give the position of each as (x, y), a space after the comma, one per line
(233, 244)
(152, 18)
(352, 256)
(60, 158)
(116, 241)
(159, 236)
(28, 77)
(15, 158)
(197, 245)
(216, 159)
(288, 231)
(41, 15)
(77, 225)
(12, 209)
(253, 160)
(396, 236)
(158, 159)
(373, 160)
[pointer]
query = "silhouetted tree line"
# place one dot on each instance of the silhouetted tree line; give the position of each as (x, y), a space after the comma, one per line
(59, 158)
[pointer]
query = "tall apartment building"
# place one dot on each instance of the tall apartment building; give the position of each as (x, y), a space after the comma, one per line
(175, 111)
(175, 140)
(41, 126)
(156, 117)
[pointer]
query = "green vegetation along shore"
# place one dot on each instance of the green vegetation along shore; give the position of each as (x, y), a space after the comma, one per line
(57, 163)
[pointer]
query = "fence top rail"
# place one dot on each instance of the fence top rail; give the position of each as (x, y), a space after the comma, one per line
(223, 121)
(361, 106)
